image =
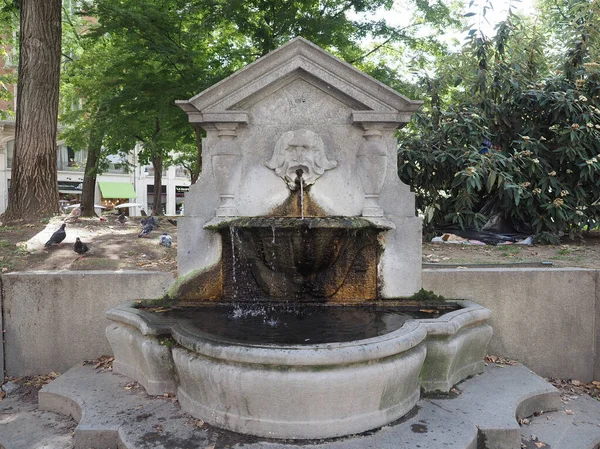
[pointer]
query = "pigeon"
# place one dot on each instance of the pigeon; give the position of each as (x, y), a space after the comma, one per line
(79, 247)
(122, 218)
(58, 236)
(143, 212)
(150, 220)
(172, 221)
(147, 228)
(74, 215)
(165, 240)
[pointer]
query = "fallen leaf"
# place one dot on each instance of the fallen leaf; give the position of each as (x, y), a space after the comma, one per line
(540, 444)
(199, 423)
(577, 383)
(569, 412)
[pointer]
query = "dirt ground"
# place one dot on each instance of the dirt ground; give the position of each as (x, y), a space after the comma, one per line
(115, 246)
(581, 253)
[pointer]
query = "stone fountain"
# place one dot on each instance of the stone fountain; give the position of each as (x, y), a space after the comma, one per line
(299, 208)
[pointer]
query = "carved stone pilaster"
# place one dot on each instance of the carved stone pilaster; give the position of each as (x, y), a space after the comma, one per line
(372, 163)
(226, 163)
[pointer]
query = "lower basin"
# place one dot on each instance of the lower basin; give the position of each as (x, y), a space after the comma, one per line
(339, 386)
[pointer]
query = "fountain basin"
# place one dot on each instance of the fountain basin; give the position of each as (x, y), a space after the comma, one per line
(297, 391)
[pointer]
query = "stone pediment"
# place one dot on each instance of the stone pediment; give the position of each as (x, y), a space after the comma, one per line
(229, 100)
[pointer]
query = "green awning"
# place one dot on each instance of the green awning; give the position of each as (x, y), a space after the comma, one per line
(117, 190)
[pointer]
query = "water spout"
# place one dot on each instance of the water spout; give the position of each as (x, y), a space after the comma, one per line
(300, 180)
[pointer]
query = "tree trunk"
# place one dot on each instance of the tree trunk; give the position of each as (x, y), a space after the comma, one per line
(34, 185)
(89, 177)
(157, 164)
(194, 174)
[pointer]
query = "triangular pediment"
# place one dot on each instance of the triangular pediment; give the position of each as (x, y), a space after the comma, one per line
(298, 59)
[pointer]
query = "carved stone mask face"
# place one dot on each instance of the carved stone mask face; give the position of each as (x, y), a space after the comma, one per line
(299, 150)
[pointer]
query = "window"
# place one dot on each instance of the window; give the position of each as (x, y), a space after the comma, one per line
(10, 151)
(71, 160)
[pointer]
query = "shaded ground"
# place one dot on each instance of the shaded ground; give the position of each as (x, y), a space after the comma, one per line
(115, 246)
(571, 253)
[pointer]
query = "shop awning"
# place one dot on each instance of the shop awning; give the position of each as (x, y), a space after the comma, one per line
(117, 190)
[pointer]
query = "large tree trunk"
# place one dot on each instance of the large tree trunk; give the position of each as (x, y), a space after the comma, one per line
(89, 178)
(157, 164)
(34, 186)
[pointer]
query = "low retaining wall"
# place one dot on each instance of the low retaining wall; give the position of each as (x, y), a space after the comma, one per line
(543, 317)
(54, 320)
(546, 318)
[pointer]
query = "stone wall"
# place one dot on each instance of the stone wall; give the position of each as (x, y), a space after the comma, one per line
(54, 320)
(546, 318)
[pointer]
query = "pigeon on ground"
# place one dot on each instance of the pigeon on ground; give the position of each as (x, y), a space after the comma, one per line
(122, 218)
(172, 221)
(147, 228)
(143, 212)
(166, 240)
(57, 237)
(75, 214)
(79, 247)
(150, 220)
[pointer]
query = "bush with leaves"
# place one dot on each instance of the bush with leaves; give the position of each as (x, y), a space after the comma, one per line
(514, 145)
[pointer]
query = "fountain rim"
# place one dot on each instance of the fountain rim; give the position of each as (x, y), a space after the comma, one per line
(409, 335)
(360, 222)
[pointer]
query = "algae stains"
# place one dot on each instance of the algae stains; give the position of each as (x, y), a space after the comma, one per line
(198, 285)
(332, 259)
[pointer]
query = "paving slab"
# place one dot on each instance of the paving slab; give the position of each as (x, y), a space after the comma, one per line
(114, 412)
(496, 400)
(24, 426)
(576, 425)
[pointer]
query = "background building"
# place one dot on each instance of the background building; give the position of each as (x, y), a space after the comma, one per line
(123, 182)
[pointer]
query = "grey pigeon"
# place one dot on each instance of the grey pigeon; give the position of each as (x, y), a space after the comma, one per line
(57, 237)
(166, 240)
(122, 218)
(79, 247)
(147, 228)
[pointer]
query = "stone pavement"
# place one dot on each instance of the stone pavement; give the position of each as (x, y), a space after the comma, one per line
(113, 412)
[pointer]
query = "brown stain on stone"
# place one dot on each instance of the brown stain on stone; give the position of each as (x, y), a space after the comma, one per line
(204, 285)
(291, 207)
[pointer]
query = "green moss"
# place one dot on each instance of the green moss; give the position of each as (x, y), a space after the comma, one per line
(426, 295)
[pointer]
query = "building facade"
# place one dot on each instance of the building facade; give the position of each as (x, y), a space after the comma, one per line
(123, 182)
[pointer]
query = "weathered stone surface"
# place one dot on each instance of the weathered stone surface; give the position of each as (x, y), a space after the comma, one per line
(456, 343)
(143, 358)
(533, 314)
(135, 421)
(300, 108)
(54, 320)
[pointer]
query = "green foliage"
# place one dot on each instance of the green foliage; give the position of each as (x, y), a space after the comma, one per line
(541, 162)
(426, 295)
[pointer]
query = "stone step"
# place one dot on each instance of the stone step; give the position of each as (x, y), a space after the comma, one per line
(576, 425)
(114, 412)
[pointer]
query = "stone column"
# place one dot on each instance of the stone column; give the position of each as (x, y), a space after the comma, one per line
(226, 163)
(372, 164)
